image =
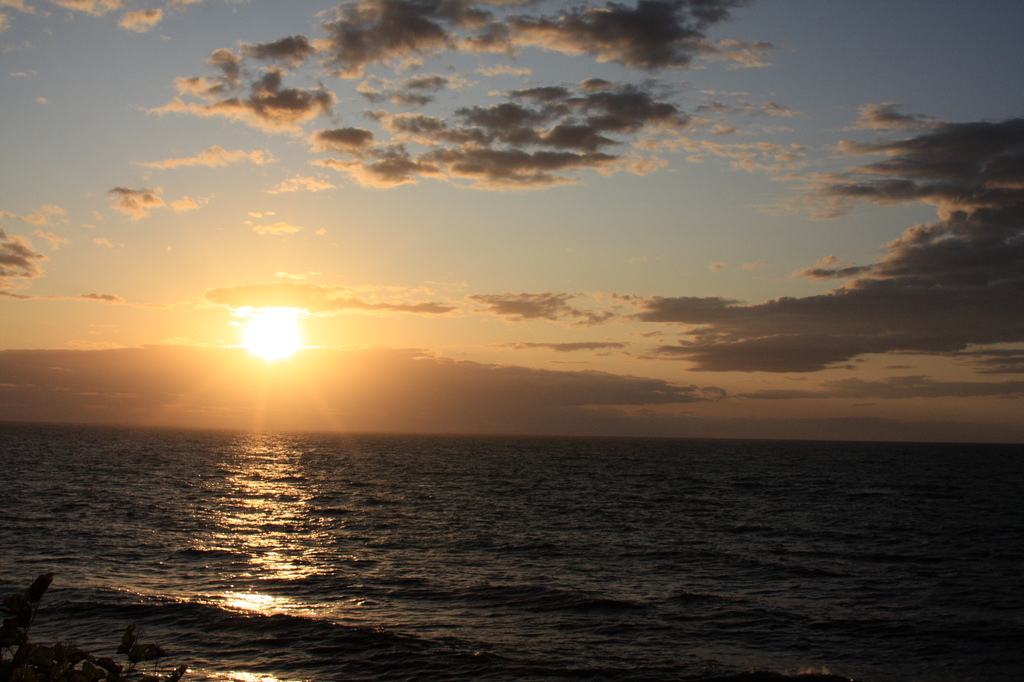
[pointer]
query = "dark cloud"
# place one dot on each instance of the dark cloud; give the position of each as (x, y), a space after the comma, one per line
(570, 346)
(363, 390)
(547, 306)
(513, 167)
(313, 298)
(994, 360)
(538, 138)
(939, 288)
(392, 32)
(112, 299)
(291, 51)
(136, 203)
(268, 106)
(959, 167)
(898, 388)
(389, 390)
(650, 35)
(18, 260)
(102, 298)
(342, 139)
(229, 64)
(390, 165)
(410, 92)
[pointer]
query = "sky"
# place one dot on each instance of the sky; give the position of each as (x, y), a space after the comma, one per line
(695, 218)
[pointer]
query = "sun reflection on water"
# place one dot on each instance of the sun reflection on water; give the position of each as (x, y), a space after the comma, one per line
(238, 676)
(259, 529)
(251, 601)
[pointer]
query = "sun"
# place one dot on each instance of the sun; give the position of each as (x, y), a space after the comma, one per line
(273, 334)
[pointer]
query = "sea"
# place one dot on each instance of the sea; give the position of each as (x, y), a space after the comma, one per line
(272, 557)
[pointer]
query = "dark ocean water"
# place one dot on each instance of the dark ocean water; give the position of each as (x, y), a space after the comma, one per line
(264, 556)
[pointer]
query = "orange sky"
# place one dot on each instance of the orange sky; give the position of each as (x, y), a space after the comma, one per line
(726, 219)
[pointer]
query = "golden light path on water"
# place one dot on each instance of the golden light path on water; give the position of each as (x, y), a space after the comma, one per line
(260, 519)
(235, 676)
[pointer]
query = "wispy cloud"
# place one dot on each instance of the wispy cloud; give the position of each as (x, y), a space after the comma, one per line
(300, 184)
(214, 157)
(315, 299)
(522, 307)
(278, 228)
(44, 215)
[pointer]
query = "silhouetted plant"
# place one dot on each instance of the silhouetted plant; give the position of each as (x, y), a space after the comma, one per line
(23, 661)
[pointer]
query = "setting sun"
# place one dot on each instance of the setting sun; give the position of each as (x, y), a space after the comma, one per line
(273, 334)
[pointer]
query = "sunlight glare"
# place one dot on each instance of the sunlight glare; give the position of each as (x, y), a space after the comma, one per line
(273, 334)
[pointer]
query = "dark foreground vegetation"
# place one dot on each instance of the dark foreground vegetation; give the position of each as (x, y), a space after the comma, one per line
(21, 660)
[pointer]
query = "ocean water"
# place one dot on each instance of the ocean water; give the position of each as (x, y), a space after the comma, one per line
(274, 556)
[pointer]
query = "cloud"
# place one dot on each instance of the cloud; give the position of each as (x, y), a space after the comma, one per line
(136, 203)
(886, 116)
(752, 157)
(391, 32)
(18, 260)
(291, 51)
(744, 107)
(44, 215)
(938, 288)
(570, 347)
(142, 20)
(897, 388)
(539, 138)
(313, 298)
(276, 228)
(342, 139)
(106, 242)
(300, 184)
(410, 92)
(214, 157)
(94, 7)
(994, 360)
(377, 390)
(55, 240)
(102, 298)
(390, 167)
(503, 70)
(547, 306)
(94, 297)
(268, 106)
(501, 168)
(653, 34)
(18, 5)
(184, 205)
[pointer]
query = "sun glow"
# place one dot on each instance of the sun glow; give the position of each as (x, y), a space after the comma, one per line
(273, 334)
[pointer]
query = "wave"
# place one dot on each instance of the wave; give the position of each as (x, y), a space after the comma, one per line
(542, 598)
